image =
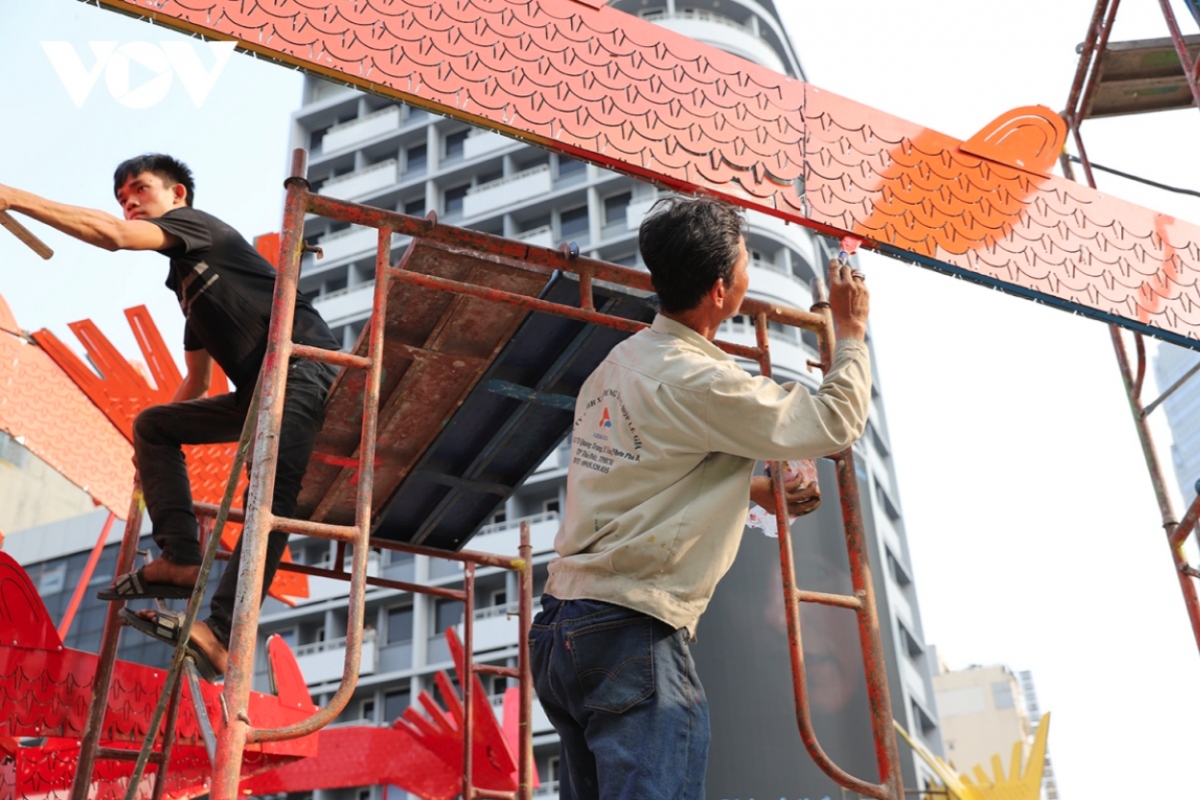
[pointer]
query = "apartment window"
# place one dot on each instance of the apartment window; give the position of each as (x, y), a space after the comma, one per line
(570, 166)
(417, 158)
(289, 636)
(454, 199)
(614, 208)
(499, 516)
(333, 285)
(455, 143)
(394, 703)
(399, 624)
(364, 794)
(1002, 695)
(551, 506)
(499, 597)
(366, 710)
(573, 222)
(52, 580)
(415, 208)
(447, 614)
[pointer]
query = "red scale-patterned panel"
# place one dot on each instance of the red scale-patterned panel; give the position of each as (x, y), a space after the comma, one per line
(593, 82)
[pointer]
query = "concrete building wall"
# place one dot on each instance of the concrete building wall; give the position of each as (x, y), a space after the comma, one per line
(32, 493)
(982, 713)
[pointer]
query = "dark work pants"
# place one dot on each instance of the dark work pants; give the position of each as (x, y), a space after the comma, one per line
(158, 433)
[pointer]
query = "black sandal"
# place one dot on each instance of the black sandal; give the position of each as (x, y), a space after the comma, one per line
(134, 586)
(165, 627)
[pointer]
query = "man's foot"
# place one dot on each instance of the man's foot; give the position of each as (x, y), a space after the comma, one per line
(202, 639)
(160, 578)
(162, 571)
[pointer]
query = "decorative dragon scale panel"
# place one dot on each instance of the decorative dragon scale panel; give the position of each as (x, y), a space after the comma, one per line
(596, 83)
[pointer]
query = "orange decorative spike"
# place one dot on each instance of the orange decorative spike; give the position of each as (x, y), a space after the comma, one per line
(1028, 138)
(120, 392)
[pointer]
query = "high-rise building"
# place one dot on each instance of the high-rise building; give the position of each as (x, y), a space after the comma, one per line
(373, 151)
(1183, 413)
(1029, 691)
(377, 152)
(985, 711)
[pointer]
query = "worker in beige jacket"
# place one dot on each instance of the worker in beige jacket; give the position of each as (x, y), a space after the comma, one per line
(667, 433)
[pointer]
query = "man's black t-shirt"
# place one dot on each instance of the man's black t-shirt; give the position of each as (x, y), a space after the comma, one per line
(225, 289)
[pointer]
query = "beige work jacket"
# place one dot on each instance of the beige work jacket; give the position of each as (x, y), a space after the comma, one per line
(667, 431)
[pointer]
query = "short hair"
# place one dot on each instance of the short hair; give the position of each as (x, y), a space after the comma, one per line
(170, 170)
(687, 244)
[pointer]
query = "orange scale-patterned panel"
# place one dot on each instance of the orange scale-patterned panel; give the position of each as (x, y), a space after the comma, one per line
(681, 80)
(47, 413)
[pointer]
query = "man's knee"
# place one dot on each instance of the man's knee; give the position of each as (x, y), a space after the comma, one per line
(152, 425)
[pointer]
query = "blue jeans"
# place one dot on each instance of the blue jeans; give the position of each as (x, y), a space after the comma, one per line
(621, 690)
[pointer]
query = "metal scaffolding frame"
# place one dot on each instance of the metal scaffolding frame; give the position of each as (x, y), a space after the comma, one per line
(1088, 76)
(235, 731)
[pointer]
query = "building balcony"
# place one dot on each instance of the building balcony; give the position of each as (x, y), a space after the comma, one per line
(351, 302)
(720, 32)
(484, 143)
(538, 237)
(637, 209)
(495, 628)
(796, 237)
(504, 538)
(496, 196)
(363, 182)
(320, 589)
(353, 241)
(322, 662)
(356, 132)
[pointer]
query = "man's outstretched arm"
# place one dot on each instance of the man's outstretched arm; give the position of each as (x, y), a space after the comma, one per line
(90, 225)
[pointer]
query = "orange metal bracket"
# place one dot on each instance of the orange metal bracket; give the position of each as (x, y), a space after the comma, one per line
(602, 85)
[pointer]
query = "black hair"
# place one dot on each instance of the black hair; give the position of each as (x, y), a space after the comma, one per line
(170, 170)
(687, 244)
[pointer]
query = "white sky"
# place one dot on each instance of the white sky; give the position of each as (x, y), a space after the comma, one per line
(1033, 527)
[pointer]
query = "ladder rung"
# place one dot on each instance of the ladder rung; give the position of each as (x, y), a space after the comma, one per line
(119, 754)
(334, 357)
(824, 599)
(503, 672)
(322, 530)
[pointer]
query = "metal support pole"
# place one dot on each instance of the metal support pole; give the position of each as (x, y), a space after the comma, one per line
(525, 677)
(887, 758)
(1186, 583)
(239, 675)
(107, 657)
(468, 682)
(86, 577)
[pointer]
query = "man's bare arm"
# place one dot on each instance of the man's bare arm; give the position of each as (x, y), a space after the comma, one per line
(97, 228)
(199, 376)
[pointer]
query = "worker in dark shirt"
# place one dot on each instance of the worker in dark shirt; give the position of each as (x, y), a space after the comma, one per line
(224, 288)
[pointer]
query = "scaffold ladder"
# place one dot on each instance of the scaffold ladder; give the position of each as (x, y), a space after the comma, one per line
(1087, 77)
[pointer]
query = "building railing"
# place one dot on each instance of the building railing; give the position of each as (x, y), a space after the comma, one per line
(329, 644)
(525, 236)
(345, 126)
(702, 15)
(391, 163)
(343, 292)
(516, 176)
(513, 524)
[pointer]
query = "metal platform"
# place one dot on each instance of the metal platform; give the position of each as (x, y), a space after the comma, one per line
(1141, 76)
(475, 395)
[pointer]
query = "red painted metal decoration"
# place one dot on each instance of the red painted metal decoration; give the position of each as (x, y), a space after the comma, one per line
(45, 690)
(602, 85)
(420, 754)
(121, 391)
(46, 412)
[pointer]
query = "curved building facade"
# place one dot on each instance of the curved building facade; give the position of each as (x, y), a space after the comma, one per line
(386, 154)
